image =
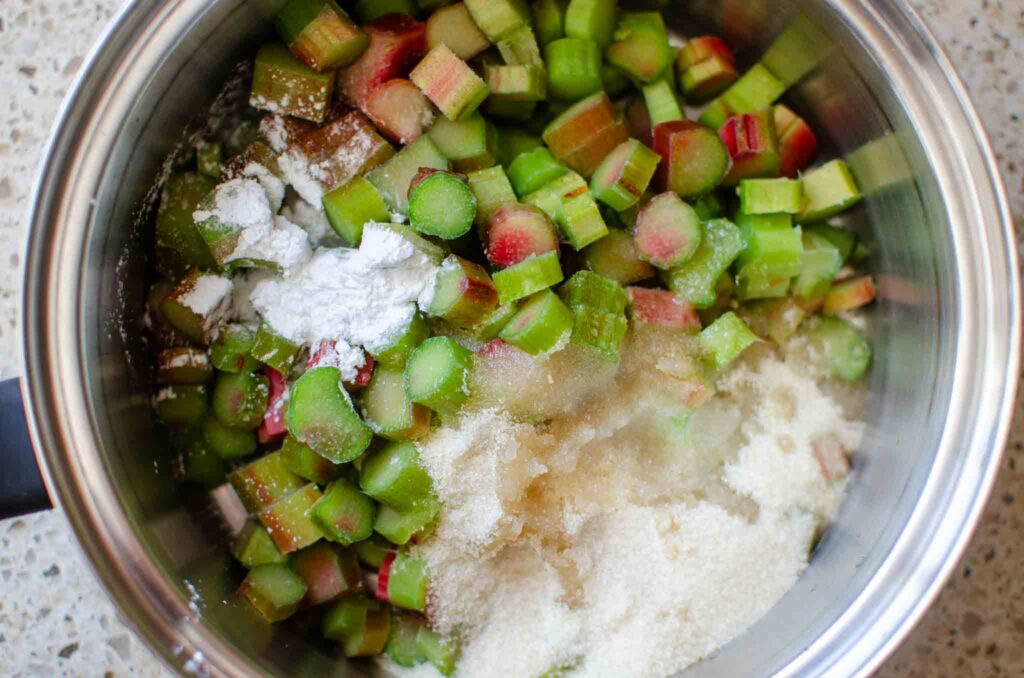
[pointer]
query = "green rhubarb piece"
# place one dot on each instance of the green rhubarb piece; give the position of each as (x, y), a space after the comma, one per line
(361, 626)
(374, 551)
(399, 528)
(529, 276)
(520, 48)
(329, 573)
(774, 319)
(398, 350)
(264, 482)
(850, 294)
(586, 288)
(253, 546)
(175, 228)
(534, 169)
(320, 34)
(437, 374)
(227, 442)
(449, 83)
(388, 410)
(441, 651)
(321, 415)
(771, 196)
(696, 158)
(351, 206)
(716, 114)
(301, 460)
(282, 84)
(209, 160)
(289, 522)
(274, 590)
(641, 48)
(614, 256)
(843, 240)
(756, 90)
(407, 583)
(274, 350)
(513, 142)
(667, 231)
(820, 262)
(549, 20)
(829, 190)
(542, 324)
(842, 348)
(392, 178)
(591, 20)
(772, 244)
(581, 222)
(708, 207)
(231, 351)
(202, 467)
(662, 104)
(623, 176)
(183, 366)
(344, 514)
(402, 647)
(194, 304)
(574, 68)
(517, 82)
(371, 10)
(725, 339)
(551, 197)
(394, 476)
(499, 18)
(454, 26)
(797, 51)
(599, 330)
(695, 280)
(492, 190)
(463, 292)
(431, 251)
(443, 206)
(469, 144)
(491, 325)
(240, 399)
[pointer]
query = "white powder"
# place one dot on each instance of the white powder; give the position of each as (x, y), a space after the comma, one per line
(209, 296)
(627, 535)
(272, 186)
(305, 177)
(274, 130)
(313, 220)
(359, 298)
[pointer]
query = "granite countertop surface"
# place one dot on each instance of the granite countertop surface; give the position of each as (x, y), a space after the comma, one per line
(54, 618)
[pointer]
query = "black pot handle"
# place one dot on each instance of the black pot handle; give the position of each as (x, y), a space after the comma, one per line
(21, 484)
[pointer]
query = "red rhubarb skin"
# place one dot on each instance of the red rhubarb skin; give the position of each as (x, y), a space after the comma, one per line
(343, 148)
(320, 358)
(638, 120)
(400, 110)
(798, 145)
(495, 348)
(516, 232)
(384, 577)
(273, 427)
(661, 307)
(750, 146)
(850, 294)
(656, 241)
(323, 578)
(703, 48)
(397, 42)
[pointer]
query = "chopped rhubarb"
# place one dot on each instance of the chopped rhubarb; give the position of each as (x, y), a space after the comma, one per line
(397, 41)
(581, 222)
(441, 205)
(574, 128)
(492, 189)
(273, 427)
(394, 177)
(516, 232)
(614, 256)
(329, 572)
(283, 84)
(706, 67)
(342, 149)
(400, 110)
(531, 275)
(591, 20)
(797, 142)
(289, 522)
(667, 231)
(753, 146)
(517, 82)
(830, 190)
(586, 288)
(470, 144)
(841, 348)
(383, 576)
(599, 331)
(499, 18)
(454, 26)
(542, 324)
(694, 158)
(359, 624)
(696, 280)
(363, 375)
(771, 196)
(574, 68)
(320, 414)
(850, 294)
(661, 307)
(725, 339)
(463, 292)
(184, 366)
(274, 590)
(662, 104)
(388, 410)
(638, 121)
(757, 90)
(641, 46)
(623, 176)
(320, 34)
(264, 482)
(436, 375)
(520, 48)
(450, 83)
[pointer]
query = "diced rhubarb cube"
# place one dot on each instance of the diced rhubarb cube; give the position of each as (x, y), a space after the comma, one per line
(661, 307)
(706, 67)
(397, 41)
(579, 124)
(400, 110)
(586, 158)
(516, 232)
(753, 146)
(850, 294)
(328, 571)
(283, 84)
(341, 150)
(638, 121)
(320, 34)
(694, 158)
(450, 83)
(667, 231)
(797, 142)
(463, 292)
(273, 427)
(454, 26)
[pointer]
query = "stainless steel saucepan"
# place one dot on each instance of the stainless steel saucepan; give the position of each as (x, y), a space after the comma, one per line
(945, 334)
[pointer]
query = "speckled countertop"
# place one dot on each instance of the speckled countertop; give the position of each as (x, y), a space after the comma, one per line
(54, 619)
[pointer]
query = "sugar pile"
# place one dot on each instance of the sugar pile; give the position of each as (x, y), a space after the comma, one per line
(625, 534)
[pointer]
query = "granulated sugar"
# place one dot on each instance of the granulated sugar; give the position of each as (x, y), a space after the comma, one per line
(626, 535)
